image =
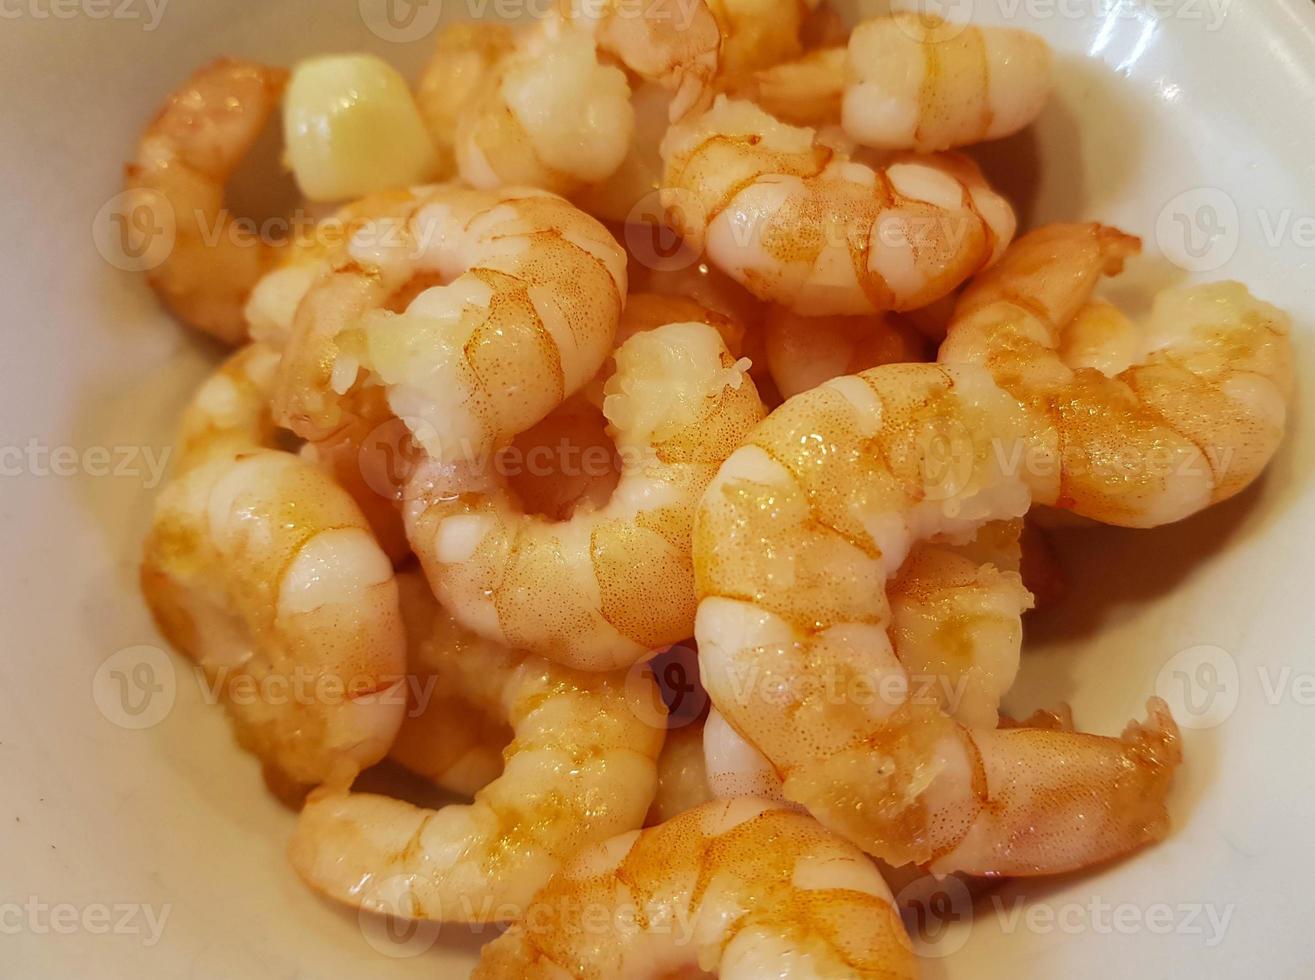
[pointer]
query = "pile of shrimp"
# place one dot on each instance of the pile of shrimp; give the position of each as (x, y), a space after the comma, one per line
(619, 511)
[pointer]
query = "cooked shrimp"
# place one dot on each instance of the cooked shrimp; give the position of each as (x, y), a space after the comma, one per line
(804, 351)
(1193, 420)
(956, 622)
(758, 33)
(554, 113)
(262, 570)
(230, 412)
(913, 82)
(796, 542)
(533, 292)
(626, 191)
(735, 888)
(648, 311)
(185, 157)
(805, 91)
(462, 68)
(582, 591)
(579, 768)
(735, 768)
(450, 740)
(682, 780)
(805, 226)
(919, 83)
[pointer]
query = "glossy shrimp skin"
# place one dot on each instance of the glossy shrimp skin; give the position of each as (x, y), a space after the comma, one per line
(530, 294)
(186, 155)
(265, 572)
(580, 591)
(736, 889)
(580, 768)
(921, 83)
(796, 543)
(801, 224)
(1193, 408)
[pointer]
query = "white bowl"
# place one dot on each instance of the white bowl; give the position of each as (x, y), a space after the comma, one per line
(1171, 116)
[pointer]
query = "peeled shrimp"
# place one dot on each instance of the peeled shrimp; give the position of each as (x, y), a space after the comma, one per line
(186, 156)
(230, 413)
(262, 570)
(554, 113)
(450, 740)
(801, 224)
(796, 542)
(608, 586)
(579, 768)
(914, 82)
(736, 889)
(956, 621)
(463, 66)
(1191, 421)
(758, 33)
(682, 780)
(533, 290)
(804, 351)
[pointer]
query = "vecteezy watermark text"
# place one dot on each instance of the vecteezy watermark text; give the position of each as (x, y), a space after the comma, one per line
(148, 12)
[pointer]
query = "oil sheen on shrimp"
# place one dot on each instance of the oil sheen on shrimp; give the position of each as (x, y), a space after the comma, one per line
(796, 543)
(736, 889)
(607, 586)
(801, 224)
(580, 768)
(264, 571)
(1189, 418)
(532, 291)
(185, 158)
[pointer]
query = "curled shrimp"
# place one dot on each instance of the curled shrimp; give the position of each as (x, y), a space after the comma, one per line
(805, 226)
(580, 591)
(580, 768)
(804, 351)
(796, 543)
(910, 82)
(265, 572)
(527, 313)
(553, 111)
(1191, 421)
(736, 889)
(186, 155)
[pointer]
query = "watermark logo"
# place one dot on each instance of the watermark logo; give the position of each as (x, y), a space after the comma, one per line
(1201, 685)
(1199, 229)
(650, 230)
(401, 21)
(394, 922)
(135, 688)
(938, 914)
(135, 230)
